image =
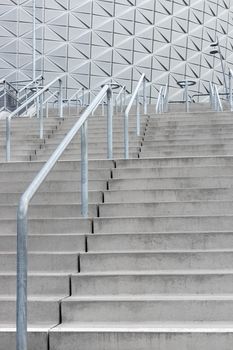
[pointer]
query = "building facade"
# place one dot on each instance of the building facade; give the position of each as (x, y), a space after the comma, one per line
(95, 40)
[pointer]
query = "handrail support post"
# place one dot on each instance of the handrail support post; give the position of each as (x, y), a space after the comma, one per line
(84, 169)
(138, 115)
(144, 96)
(60, 100)
(21, 316)
(41, 117)
(109, 121)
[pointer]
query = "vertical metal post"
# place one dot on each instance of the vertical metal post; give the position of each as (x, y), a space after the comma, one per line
(5, 96)
(230, 91)
(8, 139)
(103, 107)
(138, 115)
(126, 136)
(187, 96)
(34, 39)
(47, 110)
(222, 66)
(60, 100)
(121, 101)
(109, 122)
(83, 97)
(41, 118)
(124, 100)
(84, 170)
(144, 96)
(21, 315)
(37, 103)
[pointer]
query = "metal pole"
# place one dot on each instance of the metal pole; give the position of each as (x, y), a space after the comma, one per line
(230, 91)
(21, 316)
(138, 115)
(109, 122)
(121, 102)
(5, 96)
(124, 102)
(34, 39)
(187, 96)
(83, 97)
(47, 110)
(144, 96)
(103, 107)
(41, 118)
(8, 139)
(60, 100)
(222, 65)
(126, 136)
(84, 170)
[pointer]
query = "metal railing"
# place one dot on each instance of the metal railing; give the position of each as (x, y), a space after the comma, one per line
(22, 213)
(162, 102)
(215, 100)
(39, 95)
(135, 96)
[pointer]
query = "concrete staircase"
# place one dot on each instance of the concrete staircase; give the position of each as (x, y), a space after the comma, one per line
(152, 266)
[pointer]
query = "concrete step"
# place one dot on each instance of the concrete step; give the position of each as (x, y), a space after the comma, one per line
(52, 186)
(137, 336)
(151, 283)
(159, 241)
(49, 211)
(41, 310)
(42, 262)
(163, 224)
(170, 183)
(53, 198)
(47, 242)
(161, 172)
(163, 209)
(176, 162)
(156, 260)
(166, 195)
(39, 285)
(148, 309)
(37, 336)
(49, 225)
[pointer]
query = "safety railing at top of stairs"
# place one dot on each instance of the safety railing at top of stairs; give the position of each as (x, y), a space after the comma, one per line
(135, 96)
(162, 101)
(77, 99)
(14, 94)
(38, 96)
(22, 213)
(215, 101)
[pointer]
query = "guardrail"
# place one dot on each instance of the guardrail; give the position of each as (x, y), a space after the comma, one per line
(22, 213)
(135, 96)
(39, 95)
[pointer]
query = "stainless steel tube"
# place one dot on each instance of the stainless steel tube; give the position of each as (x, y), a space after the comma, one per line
(109, 122)
(84, 170)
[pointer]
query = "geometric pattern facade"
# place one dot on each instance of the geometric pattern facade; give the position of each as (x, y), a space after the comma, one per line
(95, 40)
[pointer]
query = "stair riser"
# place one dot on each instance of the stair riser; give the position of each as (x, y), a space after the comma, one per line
(155, 261)
(137, 340)
(150, 242)
(147, 311)
(163, 224)
(151, 284)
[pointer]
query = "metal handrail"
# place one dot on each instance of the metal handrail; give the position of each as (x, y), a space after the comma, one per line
(32, 82)
(22, 213)
(135, 95)
(39, 95)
